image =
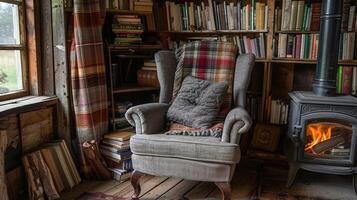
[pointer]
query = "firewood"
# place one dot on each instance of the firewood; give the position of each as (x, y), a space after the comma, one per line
(328, 144)
(39, 177)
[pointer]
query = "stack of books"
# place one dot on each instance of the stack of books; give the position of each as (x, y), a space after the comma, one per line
(147, 75)
(57, 158)
(143, 5)
(300, 46)
(116, 150)
(255, 45)
(127, 29)
(120, 109)
(278, 110)
(216, 15)
(346, 82)
(298, 15)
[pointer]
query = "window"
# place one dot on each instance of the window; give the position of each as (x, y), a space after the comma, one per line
(12, 49)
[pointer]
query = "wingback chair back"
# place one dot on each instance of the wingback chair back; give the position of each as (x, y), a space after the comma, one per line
(209, 60)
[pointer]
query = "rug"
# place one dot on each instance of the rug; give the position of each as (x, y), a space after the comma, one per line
(99, 196)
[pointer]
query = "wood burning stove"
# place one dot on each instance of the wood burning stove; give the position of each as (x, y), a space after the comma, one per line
(323, 127)
(322, 134)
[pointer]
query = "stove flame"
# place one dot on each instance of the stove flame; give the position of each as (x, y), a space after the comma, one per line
(317, 133)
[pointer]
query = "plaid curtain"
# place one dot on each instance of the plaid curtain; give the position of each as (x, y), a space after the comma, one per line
(89, 90)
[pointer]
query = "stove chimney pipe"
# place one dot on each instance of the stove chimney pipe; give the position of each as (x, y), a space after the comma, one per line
(327, 59)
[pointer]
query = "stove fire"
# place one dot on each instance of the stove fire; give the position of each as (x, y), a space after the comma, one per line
(328, 139)
(317, 133)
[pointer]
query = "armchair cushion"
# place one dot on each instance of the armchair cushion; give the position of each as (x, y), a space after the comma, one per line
(208, 149)
(197, 103)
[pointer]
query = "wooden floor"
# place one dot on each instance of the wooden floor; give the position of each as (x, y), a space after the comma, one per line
(251, 181)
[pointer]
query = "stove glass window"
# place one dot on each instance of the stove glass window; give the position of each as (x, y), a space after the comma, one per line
(328, 139)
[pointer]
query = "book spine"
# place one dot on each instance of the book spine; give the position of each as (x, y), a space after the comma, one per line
(211, 9)
(226, 25)
(286, 15)
(345, 14)
(347, 74)
(293, 15)
(300, 15)
(339, 80)
(315, 16)
(354, 81)
(239, 15)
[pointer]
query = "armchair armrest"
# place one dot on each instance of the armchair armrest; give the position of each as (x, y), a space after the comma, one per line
(147, 118)
(236, 123)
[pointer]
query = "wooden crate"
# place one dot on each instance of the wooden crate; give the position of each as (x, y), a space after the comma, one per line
(36, 128)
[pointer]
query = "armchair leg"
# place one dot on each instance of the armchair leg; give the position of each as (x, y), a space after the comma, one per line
(135, 182)
(225, 188)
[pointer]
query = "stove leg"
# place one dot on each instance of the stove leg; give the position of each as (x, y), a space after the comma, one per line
(293, 170)
(354, 182)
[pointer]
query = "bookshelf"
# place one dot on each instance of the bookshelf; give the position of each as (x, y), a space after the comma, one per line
(273, 76)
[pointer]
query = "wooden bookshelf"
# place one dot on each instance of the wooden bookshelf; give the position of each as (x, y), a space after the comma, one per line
(217, 32)
(272, 76)
(310, 61)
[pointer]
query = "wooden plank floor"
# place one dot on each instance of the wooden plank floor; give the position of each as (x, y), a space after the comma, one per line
(249, 182)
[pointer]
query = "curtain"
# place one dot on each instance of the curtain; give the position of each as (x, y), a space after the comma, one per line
(89, 90)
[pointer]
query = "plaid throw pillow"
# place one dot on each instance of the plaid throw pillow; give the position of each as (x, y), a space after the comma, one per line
(209, 60)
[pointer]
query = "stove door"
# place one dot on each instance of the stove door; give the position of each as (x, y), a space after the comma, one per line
(328, 139)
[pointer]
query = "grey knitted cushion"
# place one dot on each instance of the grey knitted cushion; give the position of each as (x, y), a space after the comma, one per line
(197, 103)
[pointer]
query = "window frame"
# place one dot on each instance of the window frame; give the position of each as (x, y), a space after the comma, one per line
(22, 47)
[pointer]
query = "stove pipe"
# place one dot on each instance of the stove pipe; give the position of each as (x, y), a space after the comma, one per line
(327, 59)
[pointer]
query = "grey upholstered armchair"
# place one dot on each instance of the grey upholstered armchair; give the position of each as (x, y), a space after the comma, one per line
(208, 159)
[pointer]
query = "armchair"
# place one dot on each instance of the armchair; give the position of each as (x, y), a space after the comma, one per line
(208, 159)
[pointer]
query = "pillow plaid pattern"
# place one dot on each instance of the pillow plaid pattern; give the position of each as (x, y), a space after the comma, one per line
(209, 60)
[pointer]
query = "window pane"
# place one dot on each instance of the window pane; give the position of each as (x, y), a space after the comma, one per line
(9, 24)
(10, 71)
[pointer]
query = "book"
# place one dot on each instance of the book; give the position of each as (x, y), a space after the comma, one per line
(339, 80)
(118, 156)
(345, 14)
(352, 18)
(119, 135)
(354, 81)
(299, 15)
(120, 175)
(347, 75)
(286, 15)
(293, 15)
(282, 45)
(315, 16)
